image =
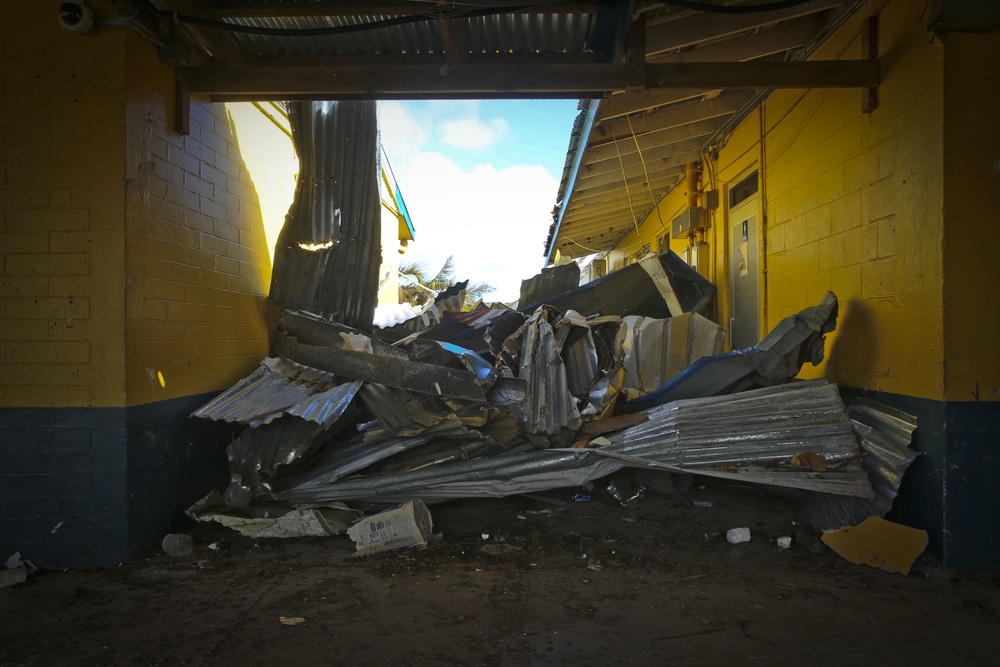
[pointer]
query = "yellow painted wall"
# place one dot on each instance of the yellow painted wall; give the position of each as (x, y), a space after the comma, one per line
(198, 264)
(853, 203)
(972, 216)
(62, 212)
(264, 138)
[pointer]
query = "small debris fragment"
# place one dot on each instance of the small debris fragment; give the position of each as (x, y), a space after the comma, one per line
(581, 497)
(214, 546)
(738, 535)
(291, 620)
(702, 503)
(485, 536)
(879, 543)
(784, 542)
(408, 525)
(809, 460)
(178, 544)
(57, 527)
(595, 566)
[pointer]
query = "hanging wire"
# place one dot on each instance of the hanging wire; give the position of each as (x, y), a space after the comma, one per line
(642, 161)
(628, 192)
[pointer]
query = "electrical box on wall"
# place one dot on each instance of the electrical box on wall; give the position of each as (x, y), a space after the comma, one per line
(691, 219)
(711, 198)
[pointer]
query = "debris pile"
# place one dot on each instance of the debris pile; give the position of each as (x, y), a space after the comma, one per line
(620, 375)
(497, 402)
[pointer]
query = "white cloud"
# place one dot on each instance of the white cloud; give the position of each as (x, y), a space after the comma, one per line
(401, 131)
(472, 134)
(493, 222)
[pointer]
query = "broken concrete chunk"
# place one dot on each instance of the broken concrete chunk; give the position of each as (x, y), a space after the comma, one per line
(409, 525)
(738, 535)
(879, 543)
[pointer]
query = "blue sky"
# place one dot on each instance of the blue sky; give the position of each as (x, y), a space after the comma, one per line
(480, 180)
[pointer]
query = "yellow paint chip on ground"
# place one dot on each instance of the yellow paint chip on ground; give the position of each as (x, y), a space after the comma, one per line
(879, 543)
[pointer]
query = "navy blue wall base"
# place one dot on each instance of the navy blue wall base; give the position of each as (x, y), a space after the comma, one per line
(173, 460)
(62, 491)
(951, 489)
(85, 487)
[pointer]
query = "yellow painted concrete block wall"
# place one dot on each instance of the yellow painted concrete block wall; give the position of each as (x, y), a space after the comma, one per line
(62, 205)
(263, 135)
(972, 216)
(198, 264)
(852, 203)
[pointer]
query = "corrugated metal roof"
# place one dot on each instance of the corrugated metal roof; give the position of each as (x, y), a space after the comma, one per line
(503, 33)
(279, 387)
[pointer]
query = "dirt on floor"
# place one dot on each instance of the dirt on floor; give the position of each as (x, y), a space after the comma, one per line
(515, 581)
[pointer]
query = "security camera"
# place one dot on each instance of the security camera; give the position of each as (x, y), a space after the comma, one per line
(76, 17)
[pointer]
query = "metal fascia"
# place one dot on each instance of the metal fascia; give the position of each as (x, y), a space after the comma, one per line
(588, 126)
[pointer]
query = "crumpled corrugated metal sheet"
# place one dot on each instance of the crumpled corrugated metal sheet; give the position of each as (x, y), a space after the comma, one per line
(885, 435)
(631, 291)
(656, 350)
(552, 281)
(327, 255)
(504, 474)
(402, 373)
(279, 387)
(310, 329)
(749, 437)
(752, 436)
(449, 301)
(550, 406)
(776, 359)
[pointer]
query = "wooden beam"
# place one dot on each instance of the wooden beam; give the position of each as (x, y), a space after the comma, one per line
(182, 100)
(611, 149)
(747, 46)
(637, 186)
(755, 74)
(622, 104)
(869, 46)
(553, 80)
(706, 26)
(449, 34)
(635, 55)
(655, 159)
(376, 82)
(680, 114)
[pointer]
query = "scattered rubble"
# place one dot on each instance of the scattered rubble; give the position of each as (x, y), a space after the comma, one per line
(16, 570)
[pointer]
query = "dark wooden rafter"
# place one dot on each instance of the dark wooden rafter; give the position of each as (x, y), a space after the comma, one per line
(635, 56)
(554, 80)
(449, 34)
(705, 26)
(672, 116)
(869, 46)
(747, 46)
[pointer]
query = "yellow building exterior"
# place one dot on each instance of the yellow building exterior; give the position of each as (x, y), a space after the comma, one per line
(134, 278)
(894, 211)
(134, 268)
